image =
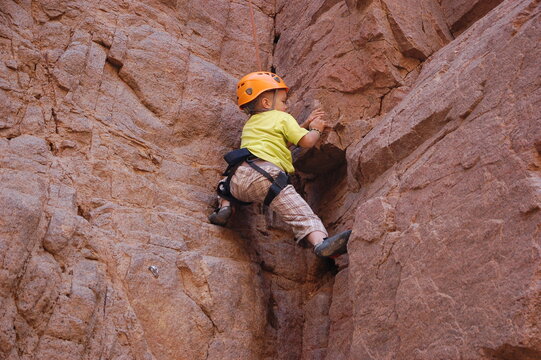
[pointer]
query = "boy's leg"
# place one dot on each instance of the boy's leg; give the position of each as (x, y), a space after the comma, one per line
(315, 237)
(296, 212)
(223, 202)
(248, 185)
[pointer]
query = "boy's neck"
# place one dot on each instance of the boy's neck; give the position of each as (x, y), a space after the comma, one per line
(259, 111)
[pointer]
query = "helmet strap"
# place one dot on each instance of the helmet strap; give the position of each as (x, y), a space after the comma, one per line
(274, 99)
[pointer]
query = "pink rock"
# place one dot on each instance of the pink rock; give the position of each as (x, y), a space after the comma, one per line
(460, 14)
(114, 119)
(430, 287)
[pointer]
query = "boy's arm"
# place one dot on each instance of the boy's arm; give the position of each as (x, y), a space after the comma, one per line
(316, 127)
(309, 140)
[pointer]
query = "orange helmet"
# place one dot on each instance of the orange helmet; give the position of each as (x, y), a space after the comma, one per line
(256, 83)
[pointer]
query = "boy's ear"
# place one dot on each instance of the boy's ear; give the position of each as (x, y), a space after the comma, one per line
(265, 102)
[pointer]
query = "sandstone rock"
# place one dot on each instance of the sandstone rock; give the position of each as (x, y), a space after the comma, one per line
(418, 32)
(418, 276)
(174, 324)
(154, 86)
(60, 231)
(51, 347)
(463, 13)
(341, 326)
(316, 326)
(374, 218)
(113, 122)
(72, 62)
(367, 33)
(38, 290)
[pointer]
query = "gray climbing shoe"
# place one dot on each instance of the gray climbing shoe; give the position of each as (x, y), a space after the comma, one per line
(221, 215)
(334, 245)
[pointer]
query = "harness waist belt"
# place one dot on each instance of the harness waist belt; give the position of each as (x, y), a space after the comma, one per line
(234, 159)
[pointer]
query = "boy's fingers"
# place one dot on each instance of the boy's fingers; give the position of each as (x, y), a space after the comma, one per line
(316, 112)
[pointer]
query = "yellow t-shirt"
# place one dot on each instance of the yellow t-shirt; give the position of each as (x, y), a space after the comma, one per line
(266, 136)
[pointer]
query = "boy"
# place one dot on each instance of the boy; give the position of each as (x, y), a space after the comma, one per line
(267, 134)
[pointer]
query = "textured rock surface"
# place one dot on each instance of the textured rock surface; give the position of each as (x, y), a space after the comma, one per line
(107, 108)
(115, 115)
(446, 256)
(461, 14)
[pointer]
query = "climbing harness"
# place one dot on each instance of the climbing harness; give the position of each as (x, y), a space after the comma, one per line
(234, 159)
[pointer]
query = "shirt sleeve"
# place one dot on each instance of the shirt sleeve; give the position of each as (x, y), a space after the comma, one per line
(293, 132)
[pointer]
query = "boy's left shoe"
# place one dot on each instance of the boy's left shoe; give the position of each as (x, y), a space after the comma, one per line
(334, 245)
(221, 215)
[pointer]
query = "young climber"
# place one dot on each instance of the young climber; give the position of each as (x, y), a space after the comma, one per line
(257, 171)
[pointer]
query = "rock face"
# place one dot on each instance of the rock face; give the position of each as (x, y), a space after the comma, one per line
(113, 121)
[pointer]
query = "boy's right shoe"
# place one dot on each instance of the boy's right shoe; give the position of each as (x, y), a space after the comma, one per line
(221, 215)
(334, 245)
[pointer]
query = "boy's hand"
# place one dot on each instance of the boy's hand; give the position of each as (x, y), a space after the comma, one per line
(318, 124)
(314, 115)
